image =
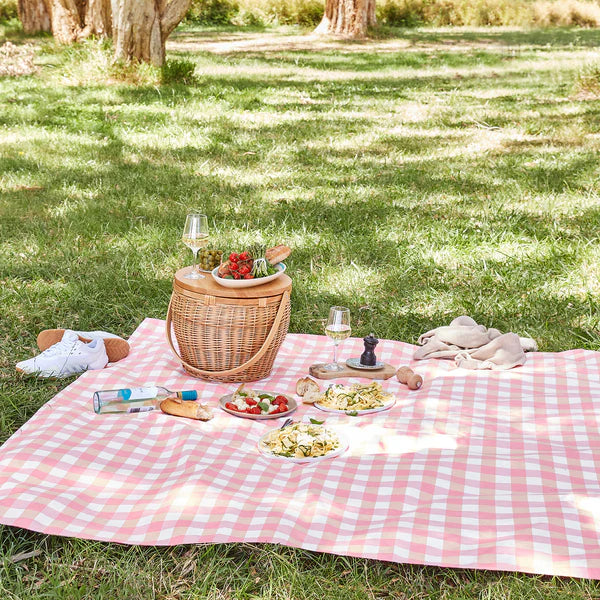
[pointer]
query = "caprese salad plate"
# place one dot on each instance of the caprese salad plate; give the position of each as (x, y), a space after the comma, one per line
(258, 404)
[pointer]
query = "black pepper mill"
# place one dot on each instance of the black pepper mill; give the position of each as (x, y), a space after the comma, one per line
(368, 358)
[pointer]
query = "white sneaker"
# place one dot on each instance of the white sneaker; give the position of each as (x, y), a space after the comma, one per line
(68, 357)
(116, 347)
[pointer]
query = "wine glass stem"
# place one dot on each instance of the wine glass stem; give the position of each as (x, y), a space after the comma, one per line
(196, 270)
(335, 349)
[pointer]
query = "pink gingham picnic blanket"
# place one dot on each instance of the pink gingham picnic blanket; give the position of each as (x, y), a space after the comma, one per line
(477, 469)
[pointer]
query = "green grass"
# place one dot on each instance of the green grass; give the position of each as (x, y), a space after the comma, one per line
(418, 176)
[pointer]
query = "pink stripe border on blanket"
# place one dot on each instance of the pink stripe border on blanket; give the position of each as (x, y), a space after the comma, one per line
(477, 469)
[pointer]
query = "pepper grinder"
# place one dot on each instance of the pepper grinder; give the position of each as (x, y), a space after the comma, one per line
(368, 358)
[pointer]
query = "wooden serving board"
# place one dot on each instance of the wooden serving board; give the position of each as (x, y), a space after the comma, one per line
(385, 372)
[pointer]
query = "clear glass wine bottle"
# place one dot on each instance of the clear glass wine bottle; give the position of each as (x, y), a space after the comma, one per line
(133, 400)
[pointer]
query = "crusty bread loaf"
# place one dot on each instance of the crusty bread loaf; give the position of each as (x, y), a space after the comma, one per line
(186, 408)
(277, 254)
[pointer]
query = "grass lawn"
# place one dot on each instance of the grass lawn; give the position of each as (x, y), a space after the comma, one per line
(417, 177)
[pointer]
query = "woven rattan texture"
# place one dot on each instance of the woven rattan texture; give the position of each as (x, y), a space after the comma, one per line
(218, 334)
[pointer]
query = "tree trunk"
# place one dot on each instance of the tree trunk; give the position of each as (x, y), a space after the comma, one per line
(33, 15)
(347, 17)
(97, 19)
(66, 20)
(74, 20)
(141, 27)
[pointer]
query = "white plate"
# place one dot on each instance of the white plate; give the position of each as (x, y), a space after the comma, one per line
(367, 411)
(292, 406)
(246, 283)
(306, 459)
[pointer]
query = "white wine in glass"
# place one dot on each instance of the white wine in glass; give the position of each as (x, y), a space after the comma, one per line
(338, 329)
(195, 236)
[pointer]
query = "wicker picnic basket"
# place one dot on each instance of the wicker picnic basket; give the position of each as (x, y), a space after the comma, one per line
(226, 334)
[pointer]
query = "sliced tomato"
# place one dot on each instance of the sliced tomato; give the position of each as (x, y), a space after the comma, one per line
(251, 401)
(283, 408)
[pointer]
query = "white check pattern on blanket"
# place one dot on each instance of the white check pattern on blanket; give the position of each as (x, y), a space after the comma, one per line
(477, 469)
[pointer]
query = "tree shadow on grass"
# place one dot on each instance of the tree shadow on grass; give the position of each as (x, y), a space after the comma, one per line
(542, 38)
(396, 38)
(289, 178)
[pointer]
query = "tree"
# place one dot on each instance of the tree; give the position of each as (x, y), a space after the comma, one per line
(69, 20)
(141, 27)
(34, 15)
(347, 17)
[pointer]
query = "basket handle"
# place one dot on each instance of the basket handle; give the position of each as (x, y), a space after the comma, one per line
(261, 352)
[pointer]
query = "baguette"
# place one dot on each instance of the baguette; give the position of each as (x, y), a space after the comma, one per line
(277, 254)
(186, 408)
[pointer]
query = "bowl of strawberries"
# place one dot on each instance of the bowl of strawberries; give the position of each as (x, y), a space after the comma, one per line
(250, 268)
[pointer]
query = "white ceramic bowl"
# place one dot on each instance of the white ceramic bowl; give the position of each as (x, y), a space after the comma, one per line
(246, 283)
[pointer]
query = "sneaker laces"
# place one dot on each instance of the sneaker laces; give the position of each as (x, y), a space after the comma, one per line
(62, 347)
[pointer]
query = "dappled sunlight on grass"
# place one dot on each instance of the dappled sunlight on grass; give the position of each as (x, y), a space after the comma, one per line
(351, 280)
(417, 177)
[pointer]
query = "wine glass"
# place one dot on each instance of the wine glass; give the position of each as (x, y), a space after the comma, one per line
(195, 236)
(338, 329)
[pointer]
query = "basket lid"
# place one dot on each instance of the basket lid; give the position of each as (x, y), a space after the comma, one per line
(210, 287)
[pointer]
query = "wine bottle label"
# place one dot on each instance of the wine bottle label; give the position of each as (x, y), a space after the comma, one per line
(140, 393)
(140, 409)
